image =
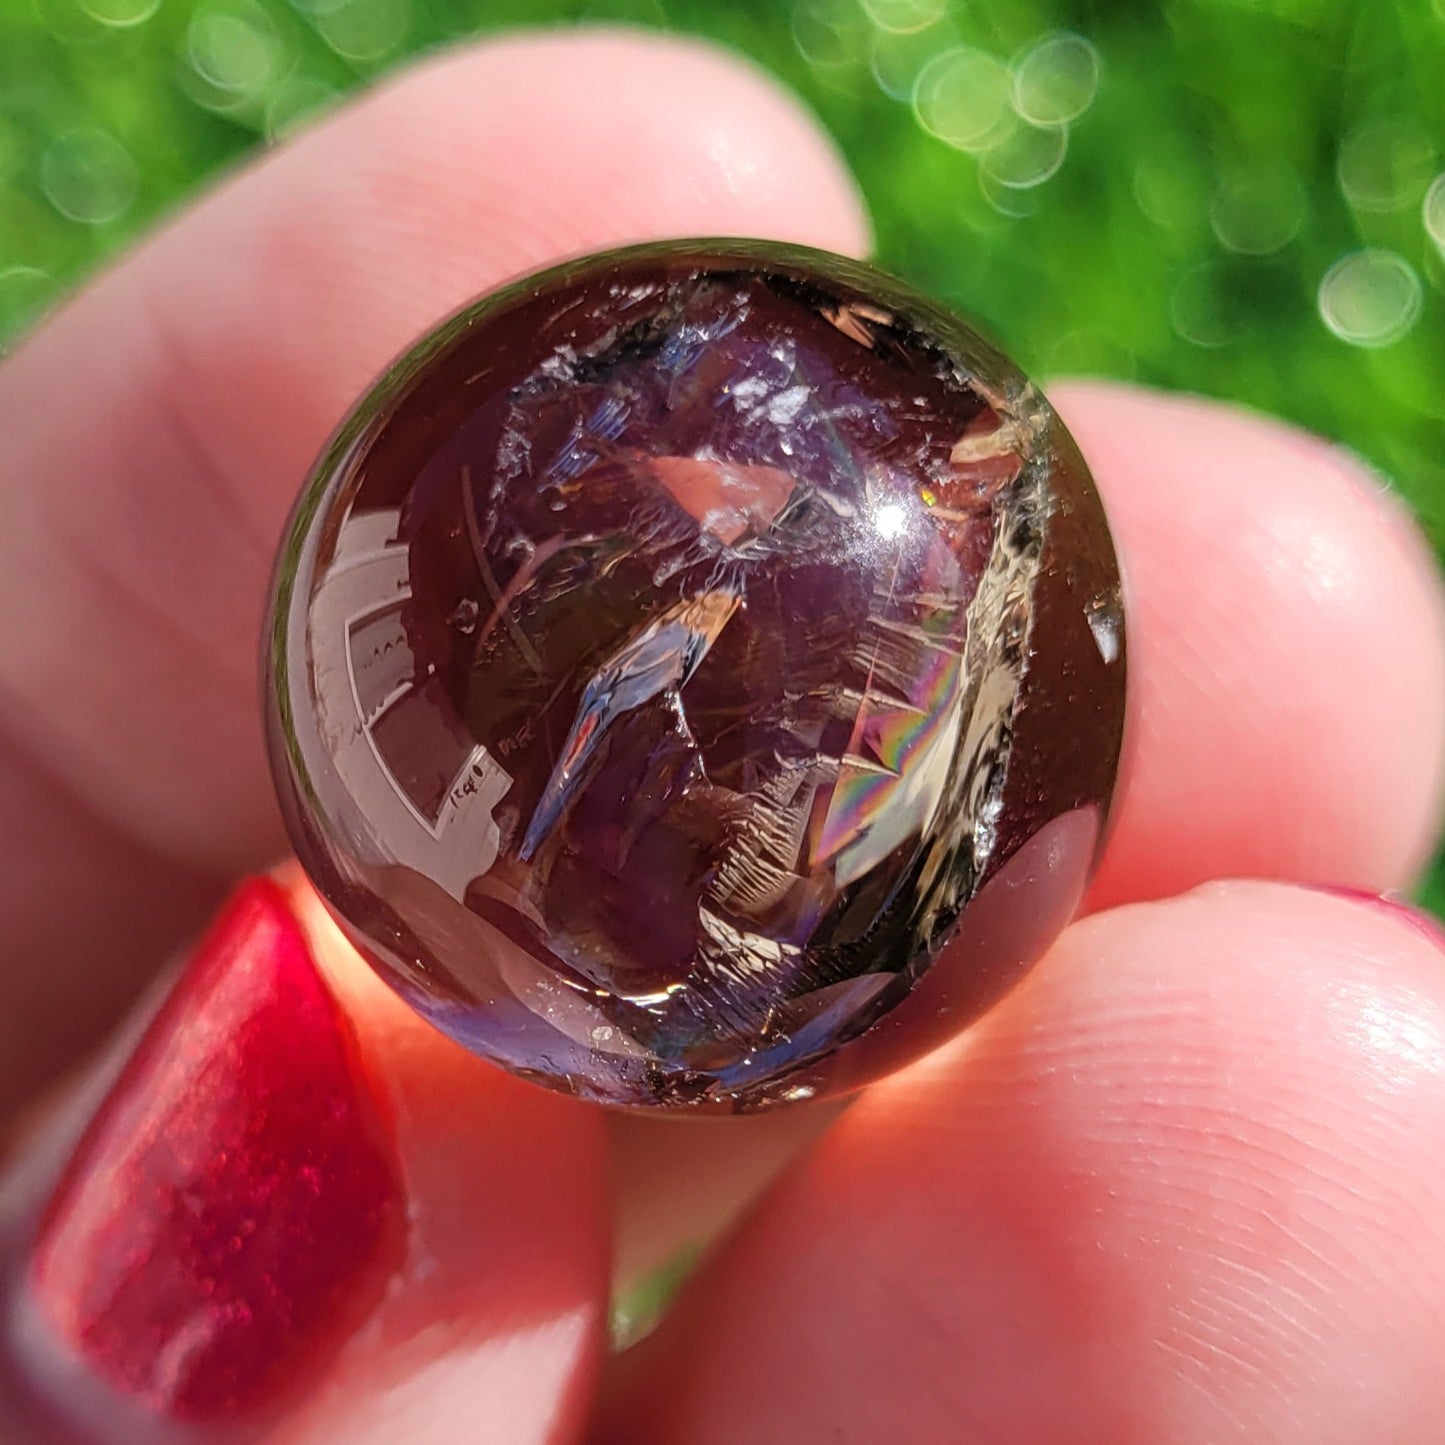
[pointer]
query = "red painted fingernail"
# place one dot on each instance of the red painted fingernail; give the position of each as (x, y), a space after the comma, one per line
(233, 1211)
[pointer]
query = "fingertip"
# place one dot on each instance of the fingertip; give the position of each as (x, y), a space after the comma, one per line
(1273, 977)
(756, 155)
(1189, 1168)
(658, 135)
(1287, 652)
(488, 160)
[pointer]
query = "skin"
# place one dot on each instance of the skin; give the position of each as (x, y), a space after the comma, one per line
(1187, 1183)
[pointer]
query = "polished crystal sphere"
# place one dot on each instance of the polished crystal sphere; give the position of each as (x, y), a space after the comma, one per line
(696, 675)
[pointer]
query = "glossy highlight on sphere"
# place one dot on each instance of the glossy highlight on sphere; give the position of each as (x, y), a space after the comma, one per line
(696, 675)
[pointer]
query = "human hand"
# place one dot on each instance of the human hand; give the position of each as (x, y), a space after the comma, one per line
(1184, 1184)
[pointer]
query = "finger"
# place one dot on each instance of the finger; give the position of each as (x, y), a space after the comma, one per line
(300, 1222)
(156, 431)
(1286, 653)
(1188, 1184)
(1286, 712)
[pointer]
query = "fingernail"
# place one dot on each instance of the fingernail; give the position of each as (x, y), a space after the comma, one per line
(231, 1215)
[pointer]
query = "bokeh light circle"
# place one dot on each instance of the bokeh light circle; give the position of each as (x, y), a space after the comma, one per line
(120, 14)
(365, 30)
(1027, 156)
(1013, 202)
(897, 60)
(1371, 297)
(88, 176)
(1055, 82)
(829, 34)
(1201, 308)
(903, 16)
(1434, 211)
(1258, 211)
(1386, 163)
(963, 98)
(25, 291)
(234, 48)
(1169, 190)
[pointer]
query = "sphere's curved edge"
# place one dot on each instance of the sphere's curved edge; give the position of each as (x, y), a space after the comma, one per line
(1043, 757)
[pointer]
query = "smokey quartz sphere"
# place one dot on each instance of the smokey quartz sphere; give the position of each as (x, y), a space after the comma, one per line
(697, 675)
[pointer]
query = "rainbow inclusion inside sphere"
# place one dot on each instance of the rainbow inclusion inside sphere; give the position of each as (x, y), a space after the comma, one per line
(652, 660)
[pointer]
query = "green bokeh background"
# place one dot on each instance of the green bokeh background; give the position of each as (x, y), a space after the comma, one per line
(1244, 198)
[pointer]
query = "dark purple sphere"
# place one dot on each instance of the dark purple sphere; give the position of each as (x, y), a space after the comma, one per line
(696, 675)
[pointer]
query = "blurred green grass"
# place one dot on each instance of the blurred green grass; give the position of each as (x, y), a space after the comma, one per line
(1244, 198)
